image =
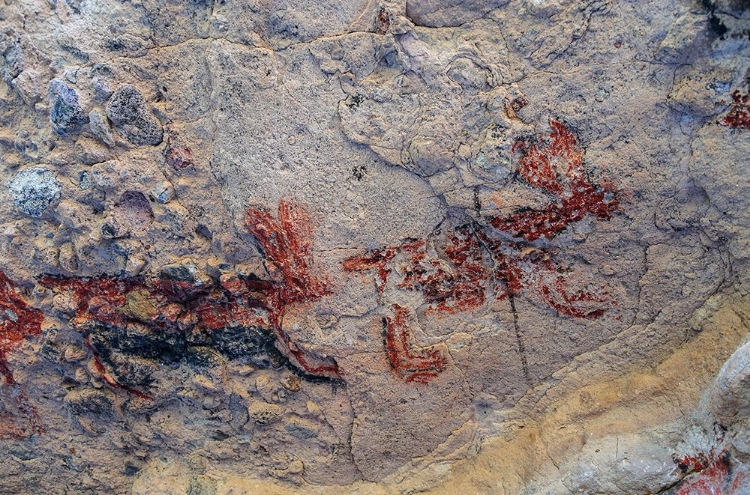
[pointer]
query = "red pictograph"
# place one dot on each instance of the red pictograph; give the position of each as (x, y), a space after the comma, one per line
(413, 365)
(738, 116)
(168, 307)
(177, 304)
(555, 165)
(501, 257)
(710, 477)
(18, 320)
(462, 268)
(714, 473)
(287, 246)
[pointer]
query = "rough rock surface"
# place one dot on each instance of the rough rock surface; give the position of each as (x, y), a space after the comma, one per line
(399, 246)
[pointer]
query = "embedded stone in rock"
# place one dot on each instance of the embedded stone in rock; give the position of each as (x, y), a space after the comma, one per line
(12, 55)
(248, 344)
(263, 412)
(34, 190)
(177, 155)
(183, 281)
(186, 272)
(65, 112)
(133, 211)
(163, 192)
(94, 401)
(128, 112)
(102, 88)
(100, 127)
(202, 485)
(301, 428)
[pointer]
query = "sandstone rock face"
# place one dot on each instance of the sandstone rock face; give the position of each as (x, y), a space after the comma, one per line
(374, 247)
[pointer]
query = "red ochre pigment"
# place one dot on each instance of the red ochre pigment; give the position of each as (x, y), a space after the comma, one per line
(575, 197)
(286, 242)
(498, 257)
(18, 417)
(166, 304)
(738, 116)
(473, 262)
(709, 476)
(420, 365)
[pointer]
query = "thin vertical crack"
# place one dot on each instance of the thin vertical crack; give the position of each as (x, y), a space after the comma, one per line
(519, 340)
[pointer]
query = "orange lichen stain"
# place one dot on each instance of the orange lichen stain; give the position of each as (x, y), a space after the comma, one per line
(413, 365)
(18, 320)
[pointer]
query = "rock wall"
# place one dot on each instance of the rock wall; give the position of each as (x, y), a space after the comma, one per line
(392, 246)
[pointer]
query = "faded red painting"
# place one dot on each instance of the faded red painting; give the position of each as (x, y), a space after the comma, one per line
(286, 244)
(411, 364)
(18, 417)
(711, 474)
(498, 257)
(738, 116)
(180, 315)
(177, 311)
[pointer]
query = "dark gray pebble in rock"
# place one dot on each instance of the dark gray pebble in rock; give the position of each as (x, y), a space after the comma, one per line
(65, 112)
(98, 402)
(127, 111)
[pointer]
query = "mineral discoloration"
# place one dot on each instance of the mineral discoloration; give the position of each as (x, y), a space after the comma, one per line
(476, 259)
